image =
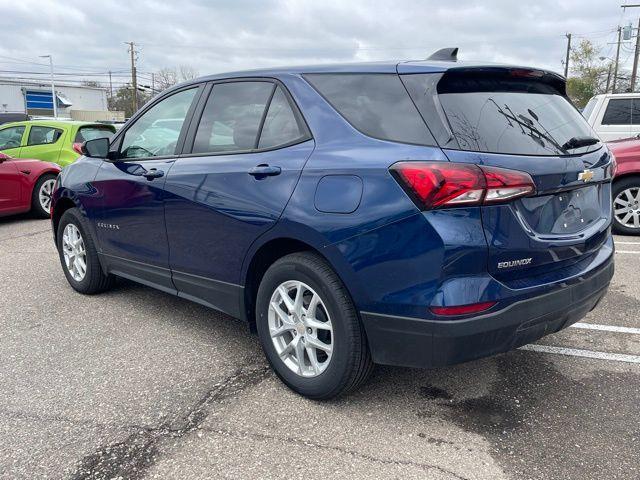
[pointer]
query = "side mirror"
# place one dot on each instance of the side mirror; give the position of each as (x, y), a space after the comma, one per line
(97, 148)
(3, 157)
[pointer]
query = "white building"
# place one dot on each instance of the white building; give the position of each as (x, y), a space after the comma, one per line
(74, 101)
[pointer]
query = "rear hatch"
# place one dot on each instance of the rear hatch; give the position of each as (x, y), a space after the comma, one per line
(521, 119)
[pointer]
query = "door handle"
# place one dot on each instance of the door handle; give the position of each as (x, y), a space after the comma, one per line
(153, 173)
(264, 170)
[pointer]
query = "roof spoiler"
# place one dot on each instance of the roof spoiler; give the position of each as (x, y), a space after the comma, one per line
(445, 55)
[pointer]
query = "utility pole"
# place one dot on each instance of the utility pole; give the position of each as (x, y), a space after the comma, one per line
(53, 87)
(134, 81)
(566, 62)
(615, 69)
(153, 83)
(634, 72)
(606, 90)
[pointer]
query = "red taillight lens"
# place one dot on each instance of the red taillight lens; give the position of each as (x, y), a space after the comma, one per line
(77, 147)
(503, 184)
(445, 184)
(463, 309)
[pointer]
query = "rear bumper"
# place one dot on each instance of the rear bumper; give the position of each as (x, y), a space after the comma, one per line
(415, 342)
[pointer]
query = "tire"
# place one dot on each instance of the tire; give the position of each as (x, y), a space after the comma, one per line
(92, 280)
(41, 196)
(334, 320)
(626, 201)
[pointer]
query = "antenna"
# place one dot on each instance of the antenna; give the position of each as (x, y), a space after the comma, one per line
(445, 55)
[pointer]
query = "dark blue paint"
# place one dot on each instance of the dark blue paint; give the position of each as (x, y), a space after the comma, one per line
(207, 217)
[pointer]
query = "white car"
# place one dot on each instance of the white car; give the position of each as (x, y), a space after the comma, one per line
(614, 115)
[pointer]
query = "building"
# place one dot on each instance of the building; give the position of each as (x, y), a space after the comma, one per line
(76, 102)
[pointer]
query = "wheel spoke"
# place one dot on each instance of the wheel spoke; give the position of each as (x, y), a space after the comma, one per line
(288, 350)
(297, 304)
(317, 343)
(284, 294)
(313, 358)
(276, 332)
(317, 324)
(636, 220)
(620, 201)
(300, 356)
(627, 217)
(284, 318)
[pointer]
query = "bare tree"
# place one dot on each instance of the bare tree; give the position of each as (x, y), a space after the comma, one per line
(165, 78)
(187, 72)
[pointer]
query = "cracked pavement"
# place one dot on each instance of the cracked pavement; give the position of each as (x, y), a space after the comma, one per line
(137, 384)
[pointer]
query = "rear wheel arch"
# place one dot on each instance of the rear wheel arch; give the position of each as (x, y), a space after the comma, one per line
(265, 256)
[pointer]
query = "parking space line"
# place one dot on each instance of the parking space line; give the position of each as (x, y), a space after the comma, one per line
(606, 328)
(628, 251)
(575, 352)
(627, 243)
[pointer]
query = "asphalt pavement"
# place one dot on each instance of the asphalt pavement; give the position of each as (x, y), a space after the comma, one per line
(135, 383)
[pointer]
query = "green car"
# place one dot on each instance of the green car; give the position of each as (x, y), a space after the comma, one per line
(55, 141)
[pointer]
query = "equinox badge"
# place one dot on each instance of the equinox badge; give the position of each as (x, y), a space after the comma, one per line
(515, 263)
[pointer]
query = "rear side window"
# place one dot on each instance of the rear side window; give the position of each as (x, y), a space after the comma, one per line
(622, 111)
(618, 112)
(92, 132)
(376, 104)
(43, 135)
(231, 118)
(502, 111)
(281, 125)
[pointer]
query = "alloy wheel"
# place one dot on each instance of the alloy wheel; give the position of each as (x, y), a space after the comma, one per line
(300, 328)
(626, 207)
(44, 195)
(75, 254)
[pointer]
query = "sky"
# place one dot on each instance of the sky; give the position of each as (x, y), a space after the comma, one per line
(86, 38)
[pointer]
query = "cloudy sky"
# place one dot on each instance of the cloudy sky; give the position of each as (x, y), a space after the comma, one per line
(216, 36)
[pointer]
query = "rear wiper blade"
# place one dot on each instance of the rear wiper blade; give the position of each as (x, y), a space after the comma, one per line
(577, 142)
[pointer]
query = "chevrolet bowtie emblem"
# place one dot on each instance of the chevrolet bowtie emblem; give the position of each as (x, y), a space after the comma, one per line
(585, 176)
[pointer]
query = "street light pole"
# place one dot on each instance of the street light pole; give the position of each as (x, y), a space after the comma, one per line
(53, 87)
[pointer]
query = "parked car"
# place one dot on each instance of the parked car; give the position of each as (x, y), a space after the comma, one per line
(6, 117)
(26, 185)
(626, 186)
(614, 115)
(56, 141)
(414, 213)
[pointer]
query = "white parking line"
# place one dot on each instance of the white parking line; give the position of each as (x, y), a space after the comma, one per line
(628, 251)
(606, 328)
(627, 243)
(574, 352)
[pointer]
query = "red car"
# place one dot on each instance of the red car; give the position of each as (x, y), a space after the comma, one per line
(626, 186)
(26, 185)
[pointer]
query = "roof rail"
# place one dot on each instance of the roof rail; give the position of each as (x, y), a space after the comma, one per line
(445, 55)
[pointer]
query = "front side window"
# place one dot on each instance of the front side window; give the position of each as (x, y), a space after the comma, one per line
(231, 118)
(43, 135)
(376, 104)
(618, 112)
(11, 137)
(156, 132)
(281, 125)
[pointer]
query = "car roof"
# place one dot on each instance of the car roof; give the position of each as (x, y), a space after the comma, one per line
(395, 66)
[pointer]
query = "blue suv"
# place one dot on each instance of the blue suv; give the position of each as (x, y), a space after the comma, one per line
(419, 213)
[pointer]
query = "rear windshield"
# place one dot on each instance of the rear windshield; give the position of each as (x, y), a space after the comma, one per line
(498, 113)
(92, 132)
(375, 104)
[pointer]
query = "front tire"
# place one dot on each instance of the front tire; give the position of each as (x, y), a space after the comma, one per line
(41, 196)
(309, 328)
(626, 206)
(78, 255)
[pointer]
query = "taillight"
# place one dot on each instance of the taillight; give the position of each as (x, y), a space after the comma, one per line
(77, 147)
(446, 184)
